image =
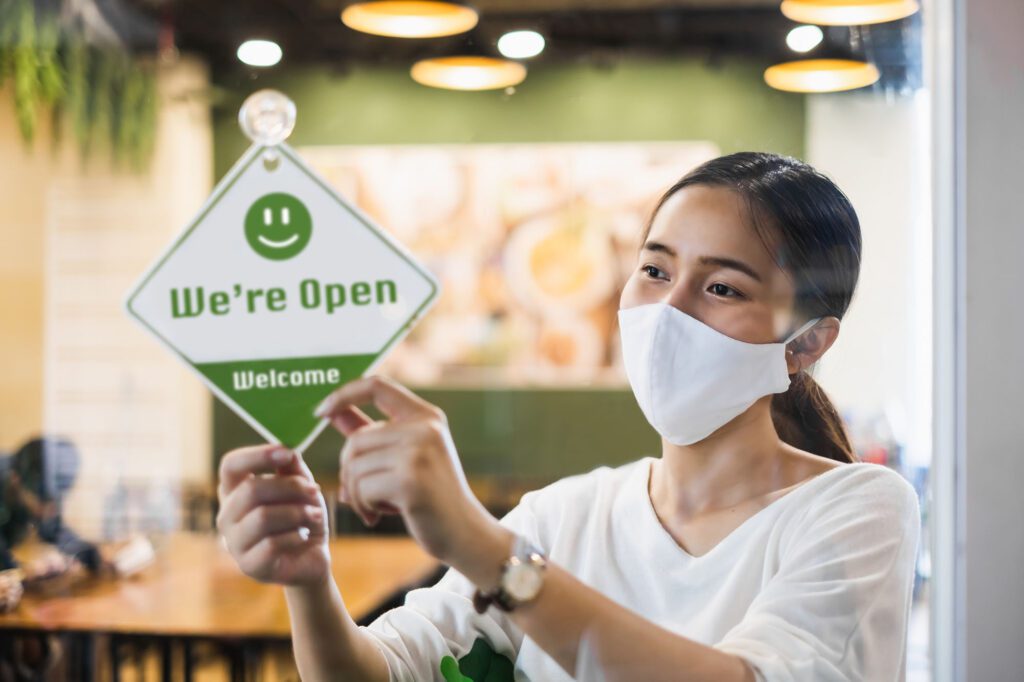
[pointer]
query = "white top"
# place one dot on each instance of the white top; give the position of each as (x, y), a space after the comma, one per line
(815, 586)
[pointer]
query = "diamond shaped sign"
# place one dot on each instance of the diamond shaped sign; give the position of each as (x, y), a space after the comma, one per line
(279, 291)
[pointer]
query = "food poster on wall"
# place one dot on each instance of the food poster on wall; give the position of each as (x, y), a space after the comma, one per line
(531, 242)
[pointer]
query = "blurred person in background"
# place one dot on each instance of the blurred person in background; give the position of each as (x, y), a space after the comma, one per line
(34, 483)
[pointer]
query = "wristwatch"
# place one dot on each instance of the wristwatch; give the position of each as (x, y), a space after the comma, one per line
(522, 576)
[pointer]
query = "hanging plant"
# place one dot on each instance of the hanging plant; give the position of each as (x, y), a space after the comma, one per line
(101, 92)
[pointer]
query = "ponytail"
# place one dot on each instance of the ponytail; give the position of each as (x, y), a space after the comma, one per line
(805, 418)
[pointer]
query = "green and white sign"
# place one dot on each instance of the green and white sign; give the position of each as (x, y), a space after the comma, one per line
(279, 291)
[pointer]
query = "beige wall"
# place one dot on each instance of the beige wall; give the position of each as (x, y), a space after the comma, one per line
(25, 175)
(75, 237)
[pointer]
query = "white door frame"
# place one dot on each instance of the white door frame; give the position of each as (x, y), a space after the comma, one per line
(976, 64)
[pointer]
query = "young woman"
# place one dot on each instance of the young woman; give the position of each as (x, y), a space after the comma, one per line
(752, 549)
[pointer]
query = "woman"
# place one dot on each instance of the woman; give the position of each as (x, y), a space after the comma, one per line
(752, 549)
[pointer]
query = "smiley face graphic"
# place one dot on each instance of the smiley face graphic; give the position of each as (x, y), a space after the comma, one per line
(278, 226)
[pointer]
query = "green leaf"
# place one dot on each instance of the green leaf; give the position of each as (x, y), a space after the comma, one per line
(77, 90)
(484, 664)
(145, 139)
(104, 93)
(51, 77)
(450, 671)
(26, 65)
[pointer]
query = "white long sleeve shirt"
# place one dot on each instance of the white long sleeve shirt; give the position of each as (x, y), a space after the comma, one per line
(814, 587)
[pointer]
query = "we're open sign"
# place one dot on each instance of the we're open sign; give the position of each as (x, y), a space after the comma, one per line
(278, 292)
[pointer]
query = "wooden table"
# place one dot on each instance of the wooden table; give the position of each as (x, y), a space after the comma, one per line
(194, 591)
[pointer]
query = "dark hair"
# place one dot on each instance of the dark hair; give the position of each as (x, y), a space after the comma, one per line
(47, 466)
(810, 228)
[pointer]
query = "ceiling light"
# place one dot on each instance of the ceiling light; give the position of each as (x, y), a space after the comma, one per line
(521, 44)
(821, 75)
(468, 73)
(259, 53)
(409, 18)
(804, 38)
(848, 12)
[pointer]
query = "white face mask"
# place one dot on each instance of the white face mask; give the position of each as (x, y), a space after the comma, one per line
(690, 379)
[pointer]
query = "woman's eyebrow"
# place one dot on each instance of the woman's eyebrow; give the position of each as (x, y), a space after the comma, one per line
(658, 247)
(732, 264)
(718, 261)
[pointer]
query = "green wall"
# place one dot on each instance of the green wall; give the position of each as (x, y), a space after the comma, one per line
(634, 100)
(525, 436)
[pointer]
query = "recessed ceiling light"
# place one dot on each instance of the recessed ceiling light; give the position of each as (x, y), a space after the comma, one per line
(848, 12)
(521, 44)
(804, 38)
(821, 75)
(410, 18)
(468, 73)
(259, 53)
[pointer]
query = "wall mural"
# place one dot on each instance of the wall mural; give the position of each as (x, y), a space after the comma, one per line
(531, 243)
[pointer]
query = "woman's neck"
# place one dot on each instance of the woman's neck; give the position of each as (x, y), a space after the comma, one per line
(744, 459)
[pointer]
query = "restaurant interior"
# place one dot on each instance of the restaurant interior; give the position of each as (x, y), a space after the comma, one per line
(521, 177)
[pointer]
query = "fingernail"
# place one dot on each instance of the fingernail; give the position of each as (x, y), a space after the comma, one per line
(324, 406)
(281, 456)
(315, 514)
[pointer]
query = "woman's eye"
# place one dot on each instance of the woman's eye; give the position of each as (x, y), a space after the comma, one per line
(654, 272)
(719, 289)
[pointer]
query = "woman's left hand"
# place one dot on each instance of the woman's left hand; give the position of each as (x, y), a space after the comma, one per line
(407, 464)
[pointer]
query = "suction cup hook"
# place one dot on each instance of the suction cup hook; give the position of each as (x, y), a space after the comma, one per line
(267, 117)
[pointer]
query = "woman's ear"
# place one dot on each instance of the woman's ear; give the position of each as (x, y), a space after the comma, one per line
(804, 351)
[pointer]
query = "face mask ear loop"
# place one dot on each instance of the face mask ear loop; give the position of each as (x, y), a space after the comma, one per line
(807, 325)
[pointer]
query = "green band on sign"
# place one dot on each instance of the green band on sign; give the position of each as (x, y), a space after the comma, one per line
(281, 394)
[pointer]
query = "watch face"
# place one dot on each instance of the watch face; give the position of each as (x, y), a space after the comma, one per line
(522, 581)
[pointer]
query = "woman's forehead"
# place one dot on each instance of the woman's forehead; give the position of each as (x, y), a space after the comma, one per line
(704, 220)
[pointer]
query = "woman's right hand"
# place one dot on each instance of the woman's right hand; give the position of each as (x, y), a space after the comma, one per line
(273, 517)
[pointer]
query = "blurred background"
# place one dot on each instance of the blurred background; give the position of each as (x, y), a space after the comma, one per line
(524, 187)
